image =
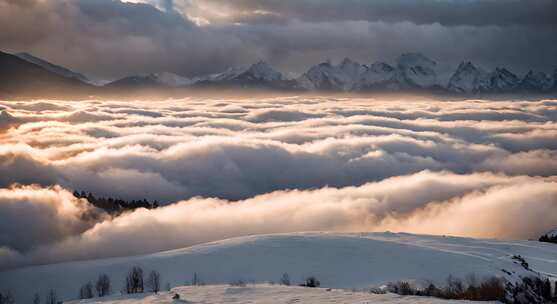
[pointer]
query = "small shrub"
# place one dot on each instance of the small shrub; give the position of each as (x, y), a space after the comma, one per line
(377, 290)
(532, 290)
(311, 282)
(430, 291)
(285, 279)
(86, 291)
(401, 288)
(522, 261)
(238, 283)
(490, 289)
(36, 298)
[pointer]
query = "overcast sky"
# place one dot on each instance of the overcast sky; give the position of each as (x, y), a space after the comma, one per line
(111, 38)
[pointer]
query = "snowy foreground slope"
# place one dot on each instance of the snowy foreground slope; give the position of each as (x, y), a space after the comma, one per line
(337, 260)
(263, 294)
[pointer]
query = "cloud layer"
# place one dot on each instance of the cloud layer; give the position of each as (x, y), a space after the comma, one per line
(233, 167)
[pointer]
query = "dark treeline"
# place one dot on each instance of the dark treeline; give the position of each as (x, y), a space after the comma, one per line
(134, 283)
(549, 238)
(115, 205)
(530, 290)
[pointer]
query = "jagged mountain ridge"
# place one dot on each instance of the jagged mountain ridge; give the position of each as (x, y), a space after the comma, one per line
(162, 79)
(56, 69)
(470, 79)
(411, 72)
(20, 78)
(259, 74)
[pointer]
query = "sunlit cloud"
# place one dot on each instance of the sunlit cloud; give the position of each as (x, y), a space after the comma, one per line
(233, 167)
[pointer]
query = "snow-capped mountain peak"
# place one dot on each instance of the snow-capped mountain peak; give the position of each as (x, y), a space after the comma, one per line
(416, 70)
(170, 79)
(326, 76)
(259, 71)
(379, 75)
(380, 67)
(415, 59)
(468, 79)
(503, 80)
(262, 71)
(351, 68)
(536, 81)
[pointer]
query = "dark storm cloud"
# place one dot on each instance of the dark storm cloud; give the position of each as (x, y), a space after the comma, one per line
(445, 12)
(110, 38)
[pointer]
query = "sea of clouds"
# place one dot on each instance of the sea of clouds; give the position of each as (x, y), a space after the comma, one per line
(226, 168)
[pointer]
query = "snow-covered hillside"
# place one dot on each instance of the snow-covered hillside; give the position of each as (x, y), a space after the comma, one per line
(337, 260)
(263, 294)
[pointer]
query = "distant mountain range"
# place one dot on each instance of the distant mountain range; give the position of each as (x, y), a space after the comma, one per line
(411, 72)
(30, 77)
(56, 69)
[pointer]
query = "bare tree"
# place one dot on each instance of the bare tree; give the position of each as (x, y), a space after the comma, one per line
(36, 298)
(103, 285)
(7, 298)
(285, 279)
(195, 281)
(86, 291)
(134, 280)
(154, 281)
(51, 297)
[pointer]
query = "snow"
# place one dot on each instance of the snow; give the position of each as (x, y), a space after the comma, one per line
(536, 81)
(468, 79)
(338, 260)
(471, 79)
(412, 70)
(171, 79)
(326, 76)
(262, 293)
(416, 70)
(503, 80)
(378, 74)
(409, 60)
(260, 71)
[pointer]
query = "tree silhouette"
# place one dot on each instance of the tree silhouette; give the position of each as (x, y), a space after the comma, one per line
(51, 297)
(86, 291)
(134, 280)
(154, 281)
(103, 285)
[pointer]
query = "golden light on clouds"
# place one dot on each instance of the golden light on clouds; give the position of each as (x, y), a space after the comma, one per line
(231, 167)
